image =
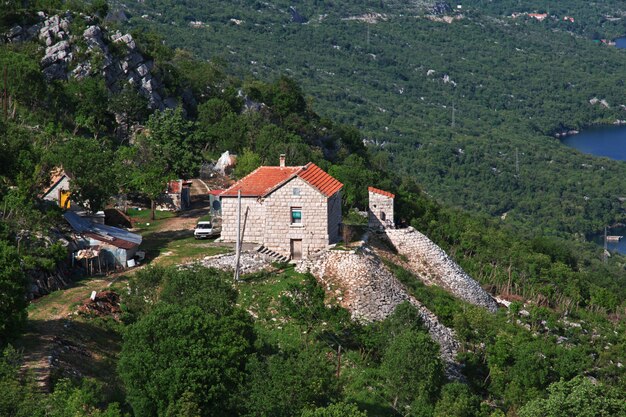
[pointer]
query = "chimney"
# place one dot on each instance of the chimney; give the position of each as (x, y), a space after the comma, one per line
(282, 160)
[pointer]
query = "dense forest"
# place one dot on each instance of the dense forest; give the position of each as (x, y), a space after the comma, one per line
(449, 104)
(188, 343)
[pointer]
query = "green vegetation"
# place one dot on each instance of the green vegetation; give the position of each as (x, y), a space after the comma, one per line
(274, 344)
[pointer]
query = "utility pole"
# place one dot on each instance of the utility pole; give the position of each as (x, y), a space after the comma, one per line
(5, 99)
(453, 115)
(606, 246)
(238, 248)
(338, 361)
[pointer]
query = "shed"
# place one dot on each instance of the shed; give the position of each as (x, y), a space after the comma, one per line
(116, 246)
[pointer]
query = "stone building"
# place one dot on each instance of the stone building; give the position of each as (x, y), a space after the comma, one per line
(380, 211)
(294, 211)
(177, 196)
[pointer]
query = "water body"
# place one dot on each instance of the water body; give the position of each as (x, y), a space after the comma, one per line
(613, 246)
(608, 141)
(620, 43)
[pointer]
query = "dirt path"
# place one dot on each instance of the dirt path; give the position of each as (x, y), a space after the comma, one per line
(49, 319)
(57, 341)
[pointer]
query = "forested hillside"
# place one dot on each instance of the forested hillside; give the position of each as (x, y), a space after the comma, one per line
(449, 104)
(186, 341)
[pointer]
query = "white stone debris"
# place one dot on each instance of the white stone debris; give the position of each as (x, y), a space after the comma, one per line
(249, 262)
(371, 292)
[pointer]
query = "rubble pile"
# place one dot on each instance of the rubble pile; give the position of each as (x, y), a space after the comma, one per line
(362, 284)
(249, 262)
(105, 304)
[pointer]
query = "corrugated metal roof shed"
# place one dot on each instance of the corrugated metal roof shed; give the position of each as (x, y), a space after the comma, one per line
(109, 234)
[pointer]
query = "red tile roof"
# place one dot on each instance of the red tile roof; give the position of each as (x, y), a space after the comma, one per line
(260, 181)
(381, 192)
(266, 179)
(319, 179)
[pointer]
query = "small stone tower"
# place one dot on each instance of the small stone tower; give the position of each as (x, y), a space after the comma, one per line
(380, 212)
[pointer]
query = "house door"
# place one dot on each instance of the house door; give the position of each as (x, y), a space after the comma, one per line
(64, 199)
(296, 249)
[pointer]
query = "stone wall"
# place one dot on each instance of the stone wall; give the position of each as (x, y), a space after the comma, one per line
(380, 212)
(313, 230)
(255, 219)
(362, 284)
(269, 219)
(429, 261)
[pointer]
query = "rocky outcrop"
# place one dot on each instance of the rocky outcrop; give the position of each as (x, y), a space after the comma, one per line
(362, 284)
(44, 282)
(90, 53)
(434, 266)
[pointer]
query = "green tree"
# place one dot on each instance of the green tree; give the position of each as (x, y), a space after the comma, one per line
(143, 292)
(577, 397)
(90, 99)
(175, 350)
(284, 384)
(130, 106)
(19, 397)
(412, 368)
(170, 137)
(13, 285)
(210, 289)
(69, 400)
(26, 85)
(356, 176)
(246, 163)
(336, 410)
(457, 401)
(90, 165)
(144, 169)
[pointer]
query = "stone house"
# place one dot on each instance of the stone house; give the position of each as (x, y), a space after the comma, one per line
(58, 191)
(177, 196)
(380, 211)
(294, 211)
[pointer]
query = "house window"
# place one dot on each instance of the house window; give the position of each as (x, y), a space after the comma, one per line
(382, 216)
(296, 191)
(296, 215)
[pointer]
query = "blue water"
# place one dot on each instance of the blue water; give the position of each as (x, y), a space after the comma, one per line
(620, 43)
(609, 141)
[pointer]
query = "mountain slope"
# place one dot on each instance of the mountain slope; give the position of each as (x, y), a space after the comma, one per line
(450, 104)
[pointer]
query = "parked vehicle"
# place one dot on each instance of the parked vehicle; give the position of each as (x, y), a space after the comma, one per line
(204, 229)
